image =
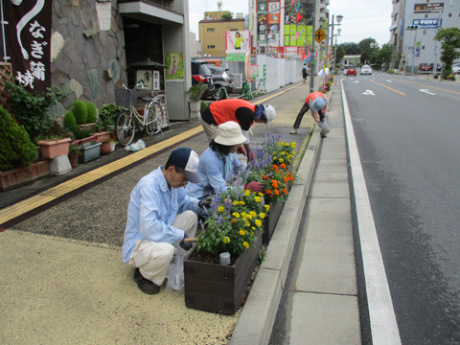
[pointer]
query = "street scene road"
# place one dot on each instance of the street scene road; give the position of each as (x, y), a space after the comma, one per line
(407, 132)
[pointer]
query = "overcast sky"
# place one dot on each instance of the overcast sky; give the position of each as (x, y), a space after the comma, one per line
(361, 18)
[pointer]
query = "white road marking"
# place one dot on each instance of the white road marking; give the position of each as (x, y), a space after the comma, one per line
(369, 92)
(428, 92)
(389, 81)
(384, 328)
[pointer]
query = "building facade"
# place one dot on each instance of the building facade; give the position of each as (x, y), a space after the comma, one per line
(414, 25)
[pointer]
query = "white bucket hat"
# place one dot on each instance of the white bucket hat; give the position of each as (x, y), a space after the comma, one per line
(229, 134)
(269, 112)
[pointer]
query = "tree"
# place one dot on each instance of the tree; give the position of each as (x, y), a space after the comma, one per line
(227, 16)
(450, 42)
(350, 48)
(339, 53)
(383, 56)
(366, 51)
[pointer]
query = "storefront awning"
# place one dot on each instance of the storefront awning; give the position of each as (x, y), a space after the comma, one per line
(148, 12)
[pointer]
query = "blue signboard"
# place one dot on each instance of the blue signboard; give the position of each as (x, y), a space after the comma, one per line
(427, 23)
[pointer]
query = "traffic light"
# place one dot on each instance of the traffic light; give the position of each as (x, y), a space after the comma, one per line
(411, 27)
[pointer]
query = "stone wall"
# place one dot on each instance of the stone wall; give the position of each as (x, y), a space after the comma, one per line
(87, 51)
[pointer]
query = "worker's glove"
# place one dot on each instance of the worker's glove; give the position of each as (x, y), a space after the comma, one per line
(206, 203)
(255, 187)
(241, 150)
(321, 116)
(186, 245)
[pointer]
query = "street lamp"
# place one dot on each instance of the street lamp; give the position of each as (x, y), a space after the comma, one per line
(339, 30)
(339, 20)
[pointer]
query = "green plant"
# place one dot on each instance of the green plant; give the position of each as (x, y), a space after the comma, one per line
(31, 110)
(74, 150)
(69, 121)
(110, 110)
(91, 111)
(55, 131)
(16, 148)
(196, 91)
(203, 105)
(80, 111)
(81, 133)
(235, 221)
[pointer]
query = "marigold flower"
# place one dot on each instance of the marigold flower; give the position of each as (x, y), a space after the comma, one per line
(283, 166)
(252, 213)
(226, 240)
(234, 220)
(257, 198)
(293, 145)
(284, 191)
(242, 232)
(260, 194)
(236, 214)
(241, 203)
(277, 192)
(258, 223)
(262, 215)
(281, 160)
(268, 191)
(247, 192)
(245, 244)
(221, 209)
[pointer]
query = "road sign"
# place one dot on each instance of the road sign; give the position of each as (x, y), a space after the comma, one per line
(319, 35)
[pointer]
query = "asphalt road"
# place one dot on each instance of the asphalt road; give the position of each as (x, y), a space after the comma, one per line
(407, 133)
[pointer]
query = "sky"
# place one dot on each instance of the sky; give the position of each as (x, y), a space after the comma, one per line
(361, 18)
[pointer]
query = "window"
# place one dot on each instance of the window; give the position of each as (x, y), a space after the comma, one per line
(210, 29)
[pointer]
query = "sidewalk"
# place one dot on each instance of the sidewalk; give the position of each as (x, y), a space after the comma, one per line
(64, 282)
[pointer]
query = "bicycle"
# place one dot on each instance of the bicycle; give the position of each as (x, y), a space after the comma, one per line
(129, 120)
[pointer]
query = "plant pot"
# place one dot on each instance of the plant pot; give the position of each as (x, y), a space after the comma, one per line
(89, 151)
(106, 148)
(217, 288)
(195, 107)
(11, 179)
(113, 146)
(276, 207)
(83, 141)
(73, 159)
(52, 148)
(102, 137)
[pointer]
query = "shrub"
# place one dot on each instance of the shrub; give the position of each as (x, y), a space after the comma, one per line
(31, 110)
(16, 148)
(80, 111)
(110, 110)
(69, 121)
(92, 112)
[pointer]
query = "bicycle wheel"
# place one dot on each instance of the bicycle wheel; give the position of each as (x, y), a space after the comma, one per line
(155, 118)
(125, 128)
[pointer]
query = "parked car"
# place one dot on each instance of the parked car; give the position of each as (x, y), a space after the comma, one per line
(456, 67)
(424, 67)
(222, 78)
(366, 69)
(351, 70)
(202, 73)
(438, 68)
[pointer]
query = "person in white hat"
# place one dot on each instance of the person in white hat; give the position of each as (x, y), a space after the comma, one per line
(317, 103)
(219, 164)
(161, 215)
(238, 110)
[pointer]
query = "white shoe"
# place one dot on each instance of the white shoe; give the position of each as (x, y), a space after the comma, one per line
(294, 131)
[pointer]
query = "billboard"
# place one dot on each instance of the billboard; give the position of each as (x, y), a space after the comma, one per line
(434, 7)
(237, 43)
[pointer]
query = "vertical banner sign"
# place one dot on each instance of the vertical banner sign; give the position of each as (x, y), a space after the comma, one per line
(28, 41)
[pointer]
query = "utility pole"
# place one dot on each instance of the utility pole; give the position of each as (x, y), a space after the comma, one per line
(313, 53)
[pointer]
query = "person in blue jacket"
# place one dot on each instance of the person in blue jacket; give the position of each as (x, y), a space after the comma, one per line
(160, 215)
(219, 164)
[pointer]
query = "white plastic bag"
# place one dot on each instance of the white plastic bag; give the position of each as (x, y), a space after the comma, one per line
(139, 145)
(175, 273)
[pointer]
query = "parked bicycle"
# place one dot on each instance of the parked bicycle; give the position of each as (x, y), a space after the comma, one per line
(129, 120)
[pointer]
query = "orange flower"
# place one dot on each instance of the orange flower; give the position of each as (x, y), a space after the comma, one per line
(277, 192)
(285, 179)
(268, 191)
(275, 167)
(283, 165)
(284, 191)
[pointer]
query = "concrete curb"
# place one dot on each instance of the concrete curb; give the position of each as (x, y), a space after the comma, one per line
(259, 312)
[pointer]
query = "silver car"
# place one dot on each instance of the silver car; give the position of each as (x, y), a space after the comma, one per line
(366, 69)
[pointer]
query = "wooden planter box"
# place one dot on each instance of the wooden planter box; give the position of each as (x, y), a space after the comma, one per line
(271, 220)
(17, 177)
(52, 148)
(217, 288)
(89, 151)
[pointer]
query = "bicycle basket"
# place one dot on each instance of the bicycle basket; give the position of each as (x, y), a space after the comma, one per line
(126, 98)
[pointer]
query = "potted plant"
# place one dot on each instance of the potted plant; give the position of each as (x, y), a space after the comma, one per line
(194, 93)
(233, 226)
(74, 153)
(17, 153)
(55, 142)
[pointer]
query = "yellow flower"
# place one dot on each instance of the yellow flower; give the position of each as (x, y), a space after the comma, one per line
(226, 239)
(245, 244)
(281, 160)
(236, 215)
(247, 192)
(258, 223)
(249, 216)
(234, 220)
(257, 199)
(267, 207)
(241, 203)
(260, 194)
(253, 214)
(287, 144)
(248, 224)
(293, 152)
(242, 232)
(253, 228)
(221, 209)
(284, 153)
(243, 214)
(262, 215)
(235, 202)
(293, 145)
